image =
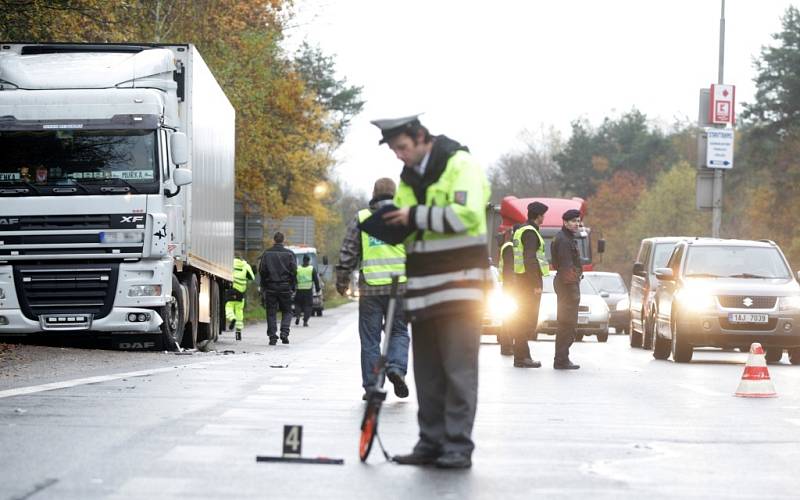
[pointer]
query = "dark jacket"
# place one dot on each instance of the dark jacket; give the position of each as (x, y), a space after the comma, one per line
(565, 258)
(530, 245)
(277, 269)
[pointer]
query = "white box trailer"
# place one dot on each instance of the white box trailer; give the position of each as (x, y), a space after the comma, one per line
(116, 182)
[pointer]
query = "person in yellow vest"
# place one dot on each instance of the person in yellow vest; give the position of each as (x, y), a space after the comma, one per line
(234, 307)
(442, 198)
(530, 266)
(376, 262)
(505, 268)
(307, 282)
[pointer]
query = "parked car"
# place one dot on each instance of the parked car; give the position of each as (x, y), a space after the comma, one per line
(592, 312)
(499, 306)
(613, 290)
(653, 253)
(727, 293)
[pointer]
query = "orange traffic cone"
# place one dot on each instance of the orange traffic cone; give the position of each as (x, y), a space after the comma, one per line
(755, 379)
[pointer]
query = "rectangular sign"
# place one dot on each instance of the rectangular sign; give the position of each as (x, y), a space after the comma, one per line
(292, 440)
(719, 150)
(723, 100)
(748, 318)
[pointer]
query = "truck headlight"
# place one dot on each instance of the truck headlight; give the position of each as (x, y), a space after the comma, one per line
(144, 291)
(696, 300)
(789, 303)
(500, 304)
(118, 237)
(623, 305)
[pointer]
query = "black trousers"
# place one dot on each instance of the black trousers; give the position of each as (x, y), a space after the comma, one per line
(569, 296)
(274, 301)
(527, 319)
(303, 300)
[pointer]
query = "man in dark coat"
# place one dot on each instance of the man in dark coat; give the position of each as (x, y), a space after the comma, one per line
(566, 260)
(277, 271)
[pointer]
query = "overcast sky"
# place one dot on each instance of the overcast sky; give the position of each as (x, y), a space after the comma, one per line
(484, 71)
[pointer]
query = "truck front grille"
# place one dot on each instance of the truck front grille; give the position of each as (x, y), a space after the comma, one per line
(79, 289)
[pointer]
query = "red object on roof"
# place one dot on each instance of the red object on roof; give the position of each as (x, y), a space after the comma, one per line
(515, 210)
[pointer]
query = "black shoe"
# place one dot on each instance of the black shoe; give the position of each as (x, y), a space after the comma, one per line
(273, 340)
(297, 320)
(454, 461)
(365, 396)
(305, 324)
(231, 324)
(285, 340)
(415, 458)
(238, 335)
(399, 383)
(527, 363)
(567, 365)
(506, 350)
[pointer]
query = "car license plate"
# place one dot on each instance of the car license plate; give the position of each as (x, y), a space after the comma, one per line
(582, 320)
(747, 318)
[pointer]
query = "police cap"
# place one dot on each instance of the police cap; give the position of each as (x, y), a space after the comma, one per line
(572, 213)
(391, 127)
(536, 209)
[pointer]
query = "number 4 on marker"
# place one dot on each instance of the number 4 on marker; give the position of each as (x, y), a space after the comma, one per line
(292, 440)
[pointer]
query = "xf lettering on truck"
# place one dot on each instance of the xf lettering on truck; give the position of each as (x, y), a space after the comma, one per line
(132, 219)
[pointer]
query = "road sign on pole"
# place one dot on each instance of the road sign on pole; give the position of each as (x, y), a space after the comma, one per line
(723, 101)
(719, 149)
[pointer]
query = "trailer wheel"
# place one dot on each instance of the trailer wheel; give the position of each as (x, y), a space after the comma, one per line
(173, 317)
(190, 330)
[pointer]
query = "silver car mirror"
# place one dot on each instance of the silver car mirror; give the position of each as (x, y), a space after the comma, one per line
(664, 274)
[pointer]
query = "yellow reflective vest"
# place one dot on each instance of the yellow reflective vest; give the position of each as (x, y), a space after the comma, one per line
(519, 252)
(501, 264)
(242, 273)
(379, 260)
(305, 275)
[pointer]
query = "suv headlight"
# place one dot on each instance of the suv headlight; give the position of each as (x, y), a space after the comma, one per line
(144, 291)
(696, 300)
(789, 303)
(121, 237)
(500, 304)
(623, 305)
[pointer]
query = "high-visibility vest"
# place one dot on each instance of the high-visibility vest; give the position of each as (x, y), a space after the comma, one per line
(242, 272)
(501, 264)
(519, 252)
(305, 277)
(379, 260)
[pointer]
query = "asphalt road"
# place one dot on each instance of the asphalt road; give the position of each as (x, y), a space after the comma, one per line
(155, 425)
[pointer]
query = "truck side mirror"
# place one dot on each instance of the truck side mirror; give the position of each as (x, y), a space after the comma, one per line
(601, 246)
(638, 269)
(182, 176)
(179, 148)
(664, 274)
(324, 260)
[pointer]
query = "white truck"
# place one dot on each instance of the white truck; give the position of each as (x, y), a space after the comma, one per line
(116, 188)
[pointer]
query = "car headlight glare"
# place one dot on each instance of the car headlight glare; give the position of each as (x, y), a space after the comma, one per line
(144, 291)
(118, 237)
(624, 304)
(789, 303)
(500, 304)
(696, 300)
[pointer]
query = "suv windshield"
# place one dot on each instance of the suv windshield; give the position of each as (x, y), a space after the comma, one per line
(78, 162)
(735, 262)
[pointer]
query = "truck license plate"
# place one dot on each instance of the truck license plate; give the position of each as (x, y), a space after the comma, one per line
(747, 318)
(582, 320)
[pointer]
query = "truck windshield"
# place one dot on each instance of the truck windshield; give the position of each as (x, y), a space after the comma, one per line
(735, 262)
(45, 162)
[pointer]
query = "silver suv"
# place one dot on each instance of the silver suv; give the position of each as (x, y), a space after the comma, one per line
(726, 293)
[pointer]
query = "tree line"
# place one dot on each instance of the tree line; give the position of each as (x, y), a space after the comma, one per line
(639, 179)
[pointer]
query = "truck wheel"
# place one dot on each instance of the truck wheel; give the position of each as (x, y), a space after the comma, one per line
(173, 317)
(636, 337)
(681, 350)
(602, 337)
(210, 330)
(794, 356)
(774, 354)
(190, 330)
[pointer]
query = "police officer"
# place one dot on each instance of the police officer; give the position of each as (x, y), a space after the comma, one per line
(567, 263)
(442, 197)
(505, 270)
(277, 271)
(530, 266)
(376, 261)
(234, 307)
(307, 282)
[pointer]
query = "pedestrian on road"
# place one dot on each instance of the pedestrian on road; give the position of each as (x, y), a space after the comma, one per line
(569, 272)
(377, 262)
(506, 274)
(530, 267)
(234, 307)
(277, 271)
(442, 196)
(307, 285)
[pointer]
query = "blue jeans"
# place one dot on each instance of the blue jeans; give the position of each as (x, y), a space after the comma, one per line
(371, 315)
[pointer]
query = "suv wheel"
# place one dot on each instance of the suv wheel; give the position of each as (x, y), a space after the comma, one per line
(636, 337)
(794, 356)
(681, 350)
(661, 346)
(649, 332)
